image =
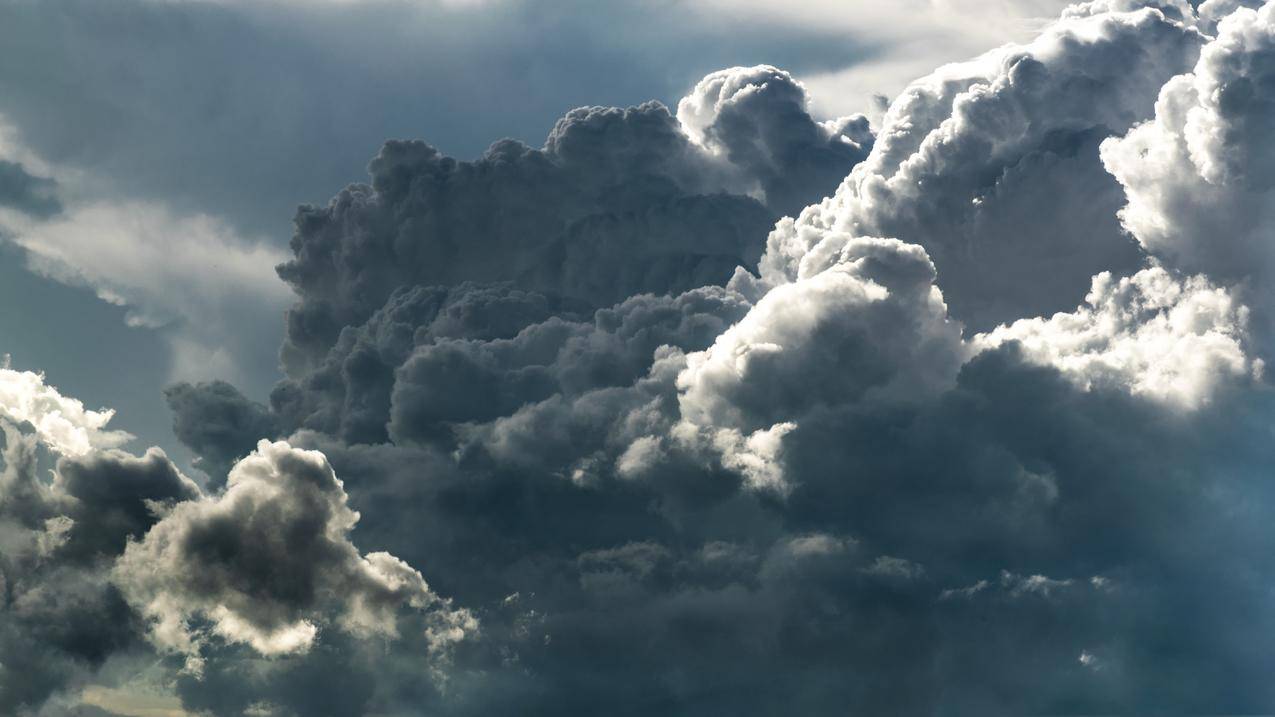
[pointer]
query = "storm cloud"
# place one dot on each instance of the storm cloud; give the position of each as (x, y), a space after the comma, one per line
(725, 410)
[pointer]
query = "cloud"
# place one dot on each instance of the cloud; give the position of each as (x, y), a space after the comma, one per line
(1151, 334)
(757, 118)
(61, 618)
(909, 449)
(1197, 176)
(912, 38)
(871, 326)
(618, 202)
(61, 422)
(218, 423)
(104, 553)
(832, 485)
(992, 166)
(263, 561)
(191, 275)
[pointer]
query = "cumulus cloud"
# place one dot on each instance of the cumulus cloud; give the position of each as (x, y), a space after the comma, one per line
(872, 325)
(218, 423)
(871, 328)
(992, 166)
(266, 560)
(61, 617)
(757, 118)
(1151, 334)
(617, 202)
(117, 547)
(1198, 176)
(60, 421)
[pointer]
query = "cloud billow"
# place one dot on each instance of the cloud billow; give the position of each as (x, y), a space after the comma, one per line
(618, 202)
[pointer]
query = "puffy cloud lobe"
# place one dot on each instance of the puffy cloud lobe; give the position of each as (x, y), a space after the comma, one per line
(437, 384)
(435, 357)
(349, 393)
(872, 327)
(61, 617)
(93, 505)
(61, 422)
(873, 324)
(218, 423)
(1151, 334)
(113, 497)
(1199, 176)
(267, 562)
(618, 202)
(756, 118)
(992, 166)
(1174, 9)
(1212, 12)
(75, 552)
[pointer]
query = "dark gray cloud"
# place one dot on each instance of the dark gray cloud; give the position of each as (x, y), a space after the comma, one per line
(168, 118)
(117, 547)
(113, 497)
(906, 549)
(60, 616)
(218, 423)
(830, 497)
(618, 202)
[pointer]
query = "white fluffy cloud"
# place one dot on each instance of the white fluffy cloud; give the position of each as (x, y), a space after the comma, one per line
(871, 327)
(992, 166)
(1151, 334)
(61, 422)
(1200, 176)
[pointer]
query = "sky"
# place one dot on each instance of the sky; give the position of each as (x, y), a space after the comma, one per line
(470, 357)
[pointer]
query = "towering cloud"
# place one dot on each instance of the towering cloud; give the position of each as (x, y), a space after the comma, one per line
(617, 202)
(1199, 176)
(991, 165)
